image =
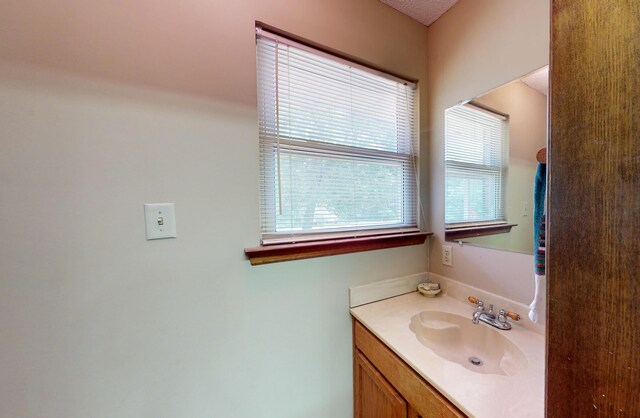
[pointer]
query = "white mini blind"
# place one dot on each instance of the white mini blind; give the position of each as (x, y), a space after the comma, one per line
(337, 144)
(476, 160)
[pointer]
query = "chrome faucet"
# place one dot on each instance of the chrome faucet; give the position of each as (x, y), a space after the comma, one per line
(479, 311)
(489, 317)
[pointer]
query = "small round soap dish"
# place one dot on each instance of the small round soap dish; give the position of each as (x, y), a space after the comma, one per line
(429, 289)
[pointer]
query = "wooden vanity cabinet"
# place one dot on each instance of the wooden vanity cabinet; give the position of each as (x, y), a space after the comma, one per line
(374, 395)
(386, 387)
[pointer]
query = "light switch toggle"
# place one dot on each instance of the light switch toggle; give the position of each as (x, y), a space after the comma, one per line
(160, 220)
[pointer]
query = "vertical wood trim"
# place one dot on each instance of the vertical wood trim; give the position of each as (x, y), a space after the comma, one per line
(355, 374)
(593, 330)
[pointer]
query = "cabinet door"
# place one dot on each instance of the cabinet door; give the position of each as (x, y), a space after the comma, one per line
(424, 399)
(374, 396)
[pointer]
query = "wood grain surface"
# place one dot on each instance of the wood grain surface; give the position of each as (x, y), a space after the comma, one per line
(593, 346)
(374, 396)
(287, 252)
(423, 399)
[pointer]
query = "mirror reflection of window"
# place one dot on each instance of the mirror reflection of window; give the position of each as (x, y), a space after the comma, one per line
(524, 100)
(476, 160)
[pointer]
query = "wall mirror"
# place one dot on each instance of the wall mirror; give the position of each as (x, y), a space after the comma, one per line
(491, 143)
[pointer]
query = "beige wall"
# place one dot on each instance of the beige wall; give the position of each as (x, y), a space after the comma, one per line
(527, 110)
(475, 47)
(106, 105)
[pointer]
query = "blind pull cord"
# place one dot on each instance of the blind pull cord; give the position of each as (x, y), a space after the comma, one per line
(278, 129)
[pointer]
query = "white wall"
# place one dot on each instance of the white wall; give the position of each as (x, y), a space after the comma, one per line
(107, 105)
(475, 47)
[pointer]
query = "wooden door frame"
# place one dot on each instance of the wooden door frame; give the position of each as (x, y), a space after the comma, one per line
(593, 245)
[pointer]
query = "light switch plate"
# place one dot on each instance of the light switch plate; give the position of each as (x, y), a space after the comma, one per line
(160, 220)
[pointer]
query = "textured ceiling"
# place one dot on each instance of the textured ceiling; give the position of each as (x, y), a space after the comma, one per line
(538, 80)
(424, 11)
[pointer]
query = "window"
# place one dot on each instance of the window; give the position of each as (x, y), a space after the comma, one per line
(476, 156)
(337, 148)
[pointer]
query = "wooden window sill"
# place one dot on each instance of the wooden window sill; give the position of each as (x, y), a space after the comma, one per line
(298, 251)
(477, 231)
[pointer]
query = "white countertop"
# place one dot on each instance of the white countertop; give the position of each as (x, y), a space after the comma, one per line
(477, 395)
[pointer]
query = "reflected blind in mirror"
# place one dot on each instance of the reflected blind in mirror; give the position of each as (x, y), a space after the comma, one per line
(476, 158)
(337, 145)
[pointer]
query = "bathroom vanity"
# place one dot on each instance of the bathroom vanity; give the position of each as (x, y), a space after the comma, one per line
(412, 358)
(385, 386)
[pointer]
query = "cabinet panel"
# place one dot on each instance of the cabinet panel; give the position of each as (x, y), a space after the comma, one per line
(374, 396)
(424, 399)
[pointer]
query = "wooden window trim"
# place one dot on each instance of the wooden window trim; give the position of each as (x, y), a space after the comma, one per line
(476, 231)
(298, 251)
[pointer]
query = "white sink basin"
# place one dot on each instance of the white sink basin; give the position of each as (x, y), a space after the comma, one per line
(456, 339)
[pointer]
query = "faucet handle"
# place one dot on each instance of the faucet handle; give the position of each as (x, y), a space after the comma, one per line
(474, 300)
(513, 315)
(479, 304)
(503, 314)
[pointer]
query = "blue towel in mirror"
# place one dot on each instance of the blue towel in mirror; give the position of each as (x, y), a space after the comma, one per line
(539, 227)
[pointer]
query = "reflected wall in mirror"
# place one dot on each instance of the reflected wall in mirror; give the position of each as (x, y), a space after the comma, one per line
(489, 184)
